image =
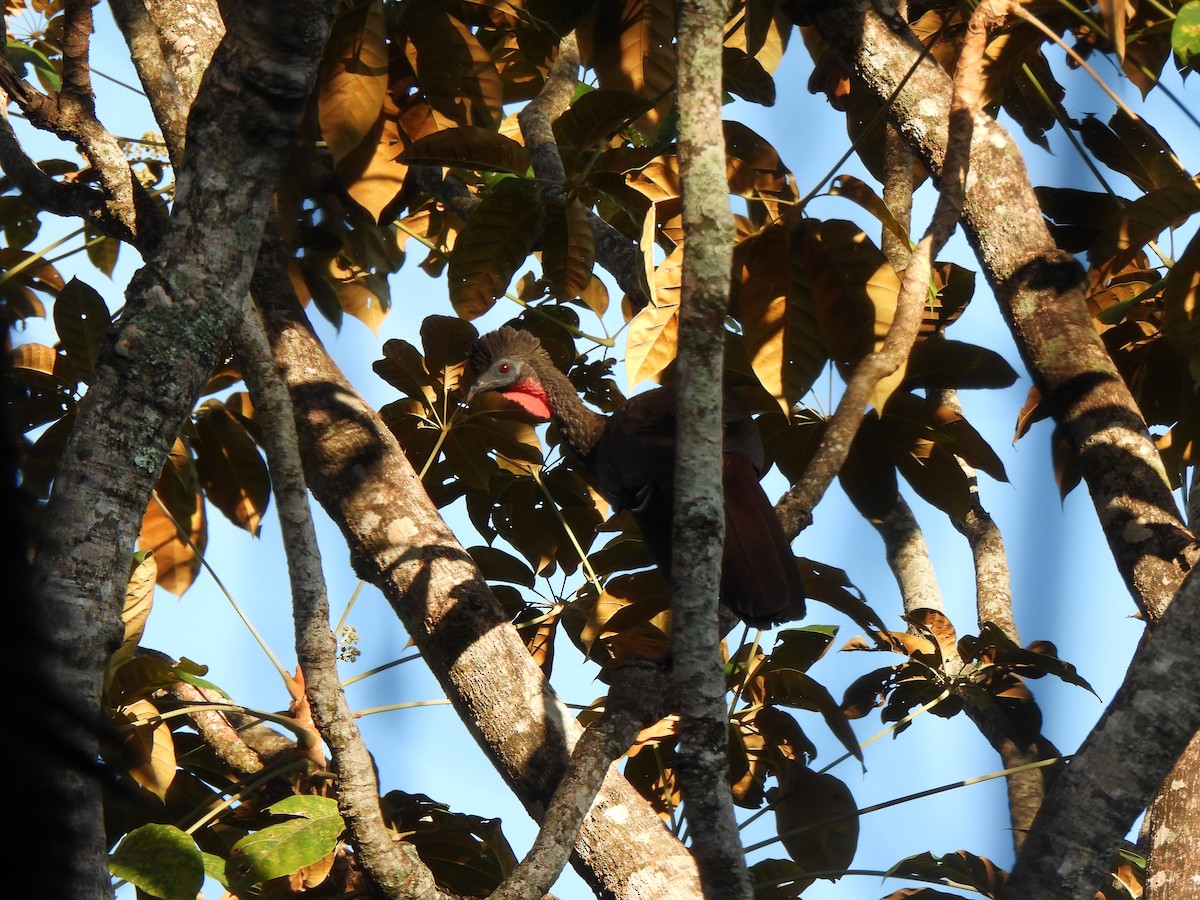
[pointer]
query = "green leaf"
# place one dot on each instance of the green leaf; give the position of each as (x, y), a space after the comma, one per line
(1185, 33)
(160, 860)
(286, 847)
(82, 320)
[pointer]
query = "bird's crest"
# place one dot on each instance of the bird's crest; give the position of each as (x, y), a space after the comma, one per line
(506, 341)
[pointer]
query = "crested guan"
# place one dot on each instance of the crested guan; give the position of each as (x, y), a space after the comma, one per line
(631, 454)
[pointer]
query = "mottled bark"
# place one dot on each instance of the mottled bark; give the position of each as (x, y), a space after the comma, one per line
(1040, 293)
(698, 529)
(179, 310)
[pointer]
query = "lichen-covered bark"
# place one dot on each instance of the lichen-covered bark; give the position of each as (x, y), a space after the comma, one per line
(699, 513)
(179, 310)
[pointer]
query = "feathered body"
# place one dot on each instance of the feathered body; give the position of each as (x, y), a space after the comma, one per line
(632, 457)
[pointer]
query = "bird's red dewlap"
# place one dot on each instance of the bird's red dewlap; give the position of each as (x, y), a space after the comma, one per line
(531, 397)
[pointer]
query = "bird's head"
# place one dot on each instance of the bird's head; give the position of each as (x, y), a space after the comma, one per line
(508, 362)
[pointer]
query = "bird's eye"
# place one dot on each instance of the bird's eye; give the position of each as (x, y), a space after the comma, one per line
(504, 368)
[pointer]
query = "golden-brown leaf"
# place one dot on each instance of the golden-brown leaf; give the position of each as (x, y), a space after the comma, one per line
(630, 45)
(231, 469)
(354, 78)
(654, 332)
(456, 72)
(151, 749)
(568, 249)
(177, 491)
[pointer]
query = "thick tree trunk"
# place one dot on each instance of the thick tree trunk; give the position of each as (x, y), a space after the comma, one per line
(179, 310)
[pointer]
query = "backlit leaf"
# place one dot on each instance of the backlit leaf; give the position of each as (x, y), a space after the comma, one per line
(231, 468)
(654, 332)
(455, 70)
(775, 308)
(178, 490)
(150, 748)
(160, 860)
(631, 47)
(354, 77)
(1185, 33)
(954, 364)
(568, 249)
(310, 832)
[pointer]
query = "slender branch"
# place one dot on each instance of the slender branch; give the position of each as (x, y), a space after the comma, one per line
(393, 867)
(537, 119)
(1040, 292)
(399, 542)
(133, 18)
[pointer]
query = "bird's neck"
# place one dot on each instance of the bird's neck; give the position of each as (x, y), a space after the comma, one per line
(580, 426)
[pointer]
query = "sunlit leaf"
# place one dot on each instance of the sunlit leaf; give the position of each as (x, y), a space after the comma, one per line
(456, 72)
(178, 499)
(354, 77)
(150, 747)
(160, 860)
(1185, 33)
(307, 835)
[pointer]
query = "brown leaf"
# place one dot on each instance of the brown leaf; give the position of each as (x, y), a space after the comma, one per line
(178, 490)
(354, 77)
(232, 470)
(568, 249)
(456, 72)
(630, 44)
(150, 748)
(471, 147)
(817, 818)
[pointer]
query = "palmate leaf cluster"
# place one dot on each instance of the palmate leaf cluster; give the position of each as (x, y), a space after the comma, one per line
(411, 142)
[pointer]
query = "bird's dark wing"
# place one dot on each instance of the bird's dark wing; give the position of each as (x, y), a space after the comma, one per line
(760, 580)
(634, 463)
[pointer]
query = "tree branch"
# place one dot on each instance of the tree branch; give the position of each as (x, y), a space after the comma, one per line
(1157, 710)
(178, 314)
(394, 867)
(698, 529)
